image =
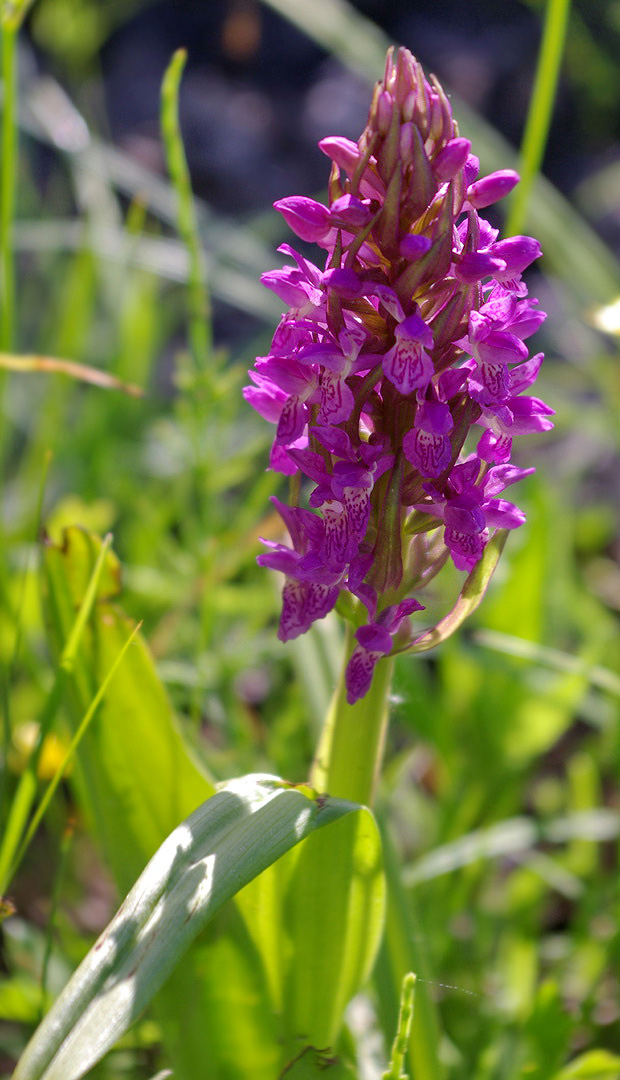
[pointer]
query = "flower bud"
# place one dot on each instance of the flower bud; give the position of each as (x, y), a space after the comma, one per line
(491, 188)
(451, 159)
(310, 220)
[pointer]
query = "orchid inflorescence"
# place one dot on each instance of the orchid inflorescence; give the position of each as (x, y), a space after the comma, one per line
(411, 338)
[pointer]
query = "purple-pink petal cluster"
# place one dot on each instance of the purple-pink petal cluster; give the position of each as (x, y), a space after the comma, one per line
(409, 340)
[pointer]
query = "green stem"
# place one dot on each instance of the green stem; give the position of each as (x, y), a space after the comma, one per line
(7, 186)
(403, 1030)
(540, 110)
(350, 751)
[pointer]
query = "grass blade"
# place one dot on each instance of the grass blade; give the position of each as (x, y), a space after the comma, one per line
(38, 815)
(8, 173)
(403, 1030)
(10, 362)
(199, 302)
(540, 111)
(26, 790)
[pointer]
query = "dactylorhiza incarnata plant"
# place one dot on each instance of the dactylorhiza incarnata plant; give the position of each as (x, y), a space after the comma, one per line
(409, 342)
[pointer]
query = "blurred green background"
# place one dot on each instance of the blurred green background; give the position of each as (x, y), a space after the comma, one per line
(500, 799)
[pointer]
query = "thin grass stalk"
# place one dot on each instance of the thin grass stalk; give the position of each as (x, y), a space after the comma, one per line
(9, 667)
(540, 111)
(83, 726)
(403, 1030)
(8, 170)
(200, 337)
(27, 787)
(201, 391)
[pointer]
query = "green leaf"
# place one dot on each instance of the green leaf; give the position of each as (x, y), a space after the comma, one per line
(227, 841)
(593, 1065)
(136, 779)
(228, 1020)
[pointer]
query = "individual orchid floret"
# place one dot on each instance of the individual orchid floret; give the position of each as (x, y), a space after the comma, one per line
(374, 641)
(395, 381)
(408, 364)
(469, 507)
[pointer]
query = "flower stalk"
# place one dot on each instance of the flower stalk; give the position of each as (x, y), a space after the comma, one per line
(350, 751)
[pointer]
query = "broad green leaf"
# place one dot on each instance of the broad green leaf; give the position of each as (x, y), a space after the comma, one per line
(135, 776)
(227, 1021)
(232, 837)
(593, 1065)
(136, 781)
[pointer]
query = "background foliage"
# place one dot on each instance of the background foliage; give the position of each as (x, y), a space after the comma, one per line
(500, 803)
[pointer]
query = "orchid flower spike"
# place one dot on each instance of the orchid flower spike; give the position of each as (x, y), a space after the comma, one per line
(407, 340)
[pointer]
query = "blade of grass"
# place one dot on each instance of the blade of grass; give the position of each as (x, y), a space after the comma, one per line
(14, 12)
(8, 168)
(75, 741)
(403, 1029)
(26, 789)
(19, 636)
(598, 676)
(540, 110)
(198, 295)
(10, 362)
(511, 838)
(403, 950)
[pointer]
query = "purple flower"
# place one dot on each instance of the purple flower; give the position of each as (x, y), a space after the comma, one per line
(408, 364)
(374, 641)
(414, 331)
(426, 445)
(468, 507)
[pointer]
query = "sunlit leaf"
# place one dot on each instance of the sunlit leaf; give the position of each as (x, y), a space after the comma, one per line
(136, 777)
(226, 842)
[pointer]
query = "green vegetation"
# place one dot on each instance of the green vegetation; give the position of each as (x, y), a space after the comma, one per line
(498, 807)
